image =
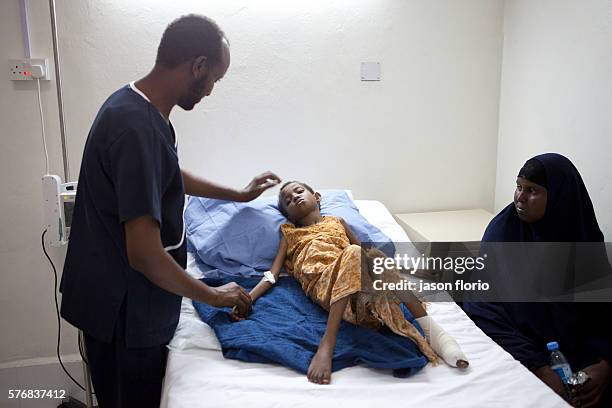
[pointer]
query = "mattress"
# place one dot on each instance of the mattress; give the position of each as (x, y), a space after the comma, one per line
(197, 374)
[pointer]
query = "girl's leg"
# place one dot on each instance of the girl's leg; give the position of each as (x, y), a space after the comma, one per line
(391, 276)
(442, 343)
(411, 302)
(319, 371)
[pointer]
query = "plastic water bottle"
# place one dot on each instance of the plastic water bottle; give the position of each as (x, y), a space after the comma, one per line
(558, 362)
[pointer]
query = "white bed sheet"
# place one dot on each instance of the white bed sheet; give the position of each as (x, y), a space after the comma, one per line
(197, 374)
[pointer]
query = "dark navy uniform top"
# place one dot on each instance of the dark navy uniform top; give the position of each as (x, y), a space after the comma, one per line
(129, 169)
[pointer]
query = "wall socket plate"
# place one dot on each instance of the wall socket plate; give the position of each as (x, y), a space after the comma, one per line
(21, 69)
(370, 71)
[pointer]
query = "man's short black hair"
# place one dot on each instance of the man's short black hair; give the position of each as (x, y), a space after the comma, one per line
(188, 37)
(281, 203)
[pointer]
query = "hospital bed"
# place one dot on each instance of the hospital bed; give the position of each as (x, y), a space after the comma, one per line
(197, 374)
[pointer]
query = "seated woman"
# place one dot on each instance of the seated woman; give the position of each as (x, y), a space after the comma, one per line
(551, 204)
(325, 257)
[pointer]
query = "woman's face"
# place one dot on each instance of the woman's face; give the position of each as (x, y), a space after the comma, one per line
(529, 200)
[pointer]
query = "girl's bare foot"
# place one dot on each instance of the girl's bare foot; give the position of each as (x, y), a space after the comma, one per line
(319, 371)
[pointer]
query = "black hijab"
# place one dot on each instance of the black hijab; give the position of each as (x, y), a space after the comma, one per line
(569, 215)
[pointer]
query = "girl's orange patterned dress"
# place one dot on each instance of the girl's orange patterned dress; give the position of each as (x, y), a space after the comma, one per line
(322, 259)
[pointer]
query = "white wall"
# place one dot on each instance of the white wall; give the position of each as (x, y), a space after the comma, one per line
(556, 93)
(27, 312)
(423, 138)
(292, 100)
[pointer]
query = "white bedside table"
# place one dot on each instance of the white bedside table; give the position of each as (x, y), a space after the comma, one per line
(445, 226)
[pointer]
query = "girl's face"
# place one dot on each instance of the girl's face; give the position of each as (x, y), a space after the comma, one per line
(529, 200)
(298, 201)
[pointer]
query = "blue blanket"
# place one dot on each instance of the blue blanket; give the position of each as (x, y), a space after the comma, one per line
(285, 327)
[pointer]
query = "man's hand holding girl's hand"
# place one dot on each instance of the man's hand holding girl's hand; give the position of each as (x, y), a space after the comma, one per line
(237, 315)
(232, 295)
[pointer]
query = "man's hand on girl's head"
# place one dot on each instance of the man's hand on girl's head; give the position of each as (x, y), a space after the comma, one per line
(258, 185)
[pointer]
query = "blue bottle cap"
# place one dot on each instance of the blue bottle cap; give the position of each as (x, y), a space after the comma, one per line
(552, 346)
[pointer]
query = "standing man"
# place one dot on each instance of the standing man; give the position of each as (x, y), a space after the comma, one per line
(124, 273)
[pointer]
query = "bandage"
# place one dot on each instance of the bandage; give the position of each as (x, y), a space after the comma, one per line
(441, 342)
(269, 277)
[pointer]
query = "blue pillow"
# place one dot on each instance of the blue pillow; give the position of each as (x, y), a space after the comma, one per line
(243, 238)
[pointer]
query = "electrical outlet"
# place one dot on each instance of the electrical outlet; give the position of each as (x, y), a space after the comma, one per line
(21, 69)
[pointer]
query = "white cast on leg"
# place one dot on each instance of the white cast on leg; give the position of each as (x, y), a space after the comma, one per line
(441, 342)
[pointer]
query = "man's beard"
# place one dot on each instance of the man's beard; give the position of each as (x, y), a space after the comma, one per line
(194, 94)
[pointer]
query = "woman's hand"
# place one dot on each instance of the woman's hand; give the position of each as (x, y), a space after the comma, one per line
(552, 379)
(589, 394)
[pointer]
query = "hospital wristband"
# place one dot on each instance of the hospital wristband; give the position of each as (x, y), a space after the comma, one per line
(269, 277)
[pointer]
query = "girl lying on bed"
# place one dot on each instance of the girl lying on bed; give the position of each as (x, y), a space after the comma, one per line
(326, 258)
